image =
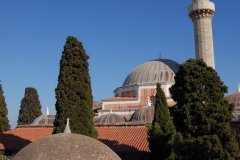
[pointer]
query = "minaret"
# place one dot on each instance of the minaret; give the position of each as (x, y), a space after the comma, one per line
(238, 88)
(47, 113)
(201, 12)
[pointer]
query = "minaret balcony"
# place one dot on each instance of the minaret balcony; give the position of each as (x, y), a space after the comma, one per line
(201, 5)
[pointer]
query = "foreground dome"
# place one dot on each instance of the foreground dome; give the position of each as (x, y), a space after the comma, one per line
(234, 99)
(152, 72)
(143, 115)
(65, 146)
(109, 119)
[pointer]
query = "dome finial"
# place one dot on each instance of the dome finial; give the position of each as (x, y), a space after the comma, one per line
(160, 55)
(67, 129)
(47, 113)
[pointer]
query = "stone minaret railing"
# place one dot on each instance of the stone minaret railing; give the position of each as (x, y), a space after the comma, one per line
(201, 12)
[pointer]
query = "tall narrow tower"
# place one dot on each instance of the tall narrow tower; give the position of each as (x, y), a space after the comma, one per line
(201, 12)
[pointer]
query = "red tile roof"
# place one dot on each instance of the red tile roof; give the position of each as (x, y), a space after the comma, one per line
(124, 138)
(16, 139)
(118, 138)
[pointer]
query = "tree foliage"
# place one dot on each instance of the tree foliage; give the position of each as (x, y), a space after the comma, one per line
(74, 93)
(162, 131)
(202, 115)
(30, 107)
(4, 122)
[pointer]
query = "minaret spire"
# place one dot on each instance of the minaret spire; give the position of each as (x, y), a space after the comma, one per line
(238, 88)
(201, 12)
(47, 113)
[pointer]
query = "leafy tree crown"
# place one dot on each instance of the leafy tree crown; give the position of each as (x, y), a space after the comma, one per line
(162, 131)
(73, 92)
(4, 122)
(30, 107)
(202, 116)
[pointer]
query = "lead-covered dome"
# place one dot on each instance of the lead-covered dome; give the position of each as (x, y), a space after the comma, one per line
(143, 115)
(44, 120)
(109, 119)
(152, 72)
(234, 99)
(65, 146)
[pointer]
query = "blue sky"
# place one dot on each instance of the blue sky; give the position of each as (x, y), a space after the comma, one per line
(117, 35)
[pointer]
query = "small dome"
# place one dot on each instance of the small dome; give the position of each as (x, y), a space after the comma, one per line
(143, 115)
(235, 100)
(110, 119)
(66, 147)
(152, 72)
(44, 120)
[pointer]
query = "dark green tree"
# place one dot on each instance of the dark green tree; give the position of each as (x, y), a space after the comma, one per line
(162, 131)
(202, 115)
(4, 122)
(30, 107)
(74, 93)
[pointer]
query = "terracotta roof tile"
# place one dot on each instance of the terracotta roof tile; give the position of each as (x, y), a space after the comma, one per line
(18, 138)
(118, 138)
(124, 138)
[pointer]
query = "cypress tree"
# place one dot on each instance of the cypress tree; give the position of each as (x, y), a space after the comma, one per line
(162, 131)
(202, 115)
(4, 122)
(73, 92)
(30, 107)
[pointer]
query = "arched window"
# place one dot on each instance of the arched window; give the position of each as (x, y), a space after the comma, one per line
(161, 76)
(166, 75)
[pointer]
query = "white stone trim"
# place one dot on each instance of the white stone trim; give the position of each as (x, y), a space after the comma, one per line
(138, 89)
(120, 112)
(122, 102)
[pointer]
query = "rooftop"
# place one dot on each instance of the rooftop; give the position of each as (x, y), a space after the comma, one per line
(120, 99)
(118, 138)
(153, 72)
(18, 138)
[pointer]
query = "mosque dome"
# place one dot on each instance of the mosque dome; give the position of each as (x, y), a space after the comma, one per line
(234, 99)
(152, 72)
(44, 120)
(143, 115)
(66, 146)
(110, 119)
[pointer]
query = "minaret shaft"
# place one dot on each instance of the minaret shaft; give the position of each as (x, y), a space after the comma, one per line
(204, 41)
(201, 13)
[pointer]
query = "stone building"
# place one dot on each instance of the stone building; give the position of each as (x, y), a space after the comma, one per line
(201, 12)
(139, 88)
(120, 120)
(234, 99)
(136, 97)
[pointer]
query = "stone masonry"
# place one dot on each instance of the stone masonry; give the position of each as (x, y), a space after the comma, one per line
(201, 12)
